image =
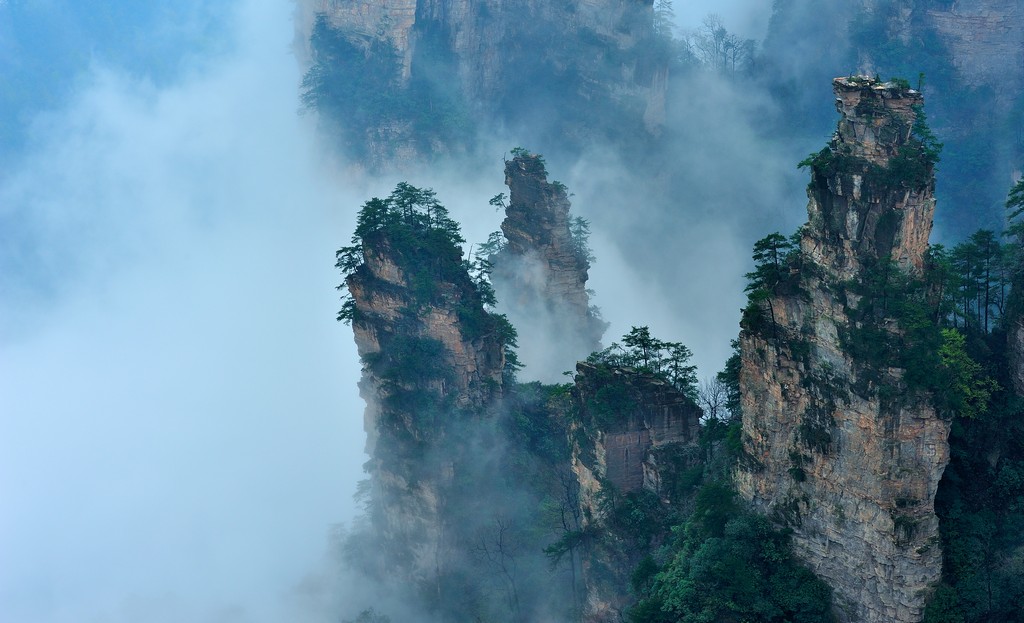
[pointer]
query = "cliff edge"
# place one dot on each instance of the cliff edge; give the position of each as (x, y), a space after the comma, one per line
(846, 450)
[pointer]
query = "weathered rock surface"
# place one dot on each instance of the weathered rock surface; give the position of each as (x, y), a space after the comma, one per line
(504, 53)
(1015, 337)
(984, 38)
(854, 216)
(986, 41)
(634, 433)
(422, 369)
(850, 468)
(540, 275)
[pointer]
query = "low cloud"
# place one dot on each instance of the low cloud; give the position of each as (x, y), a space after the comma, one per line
(179, 422)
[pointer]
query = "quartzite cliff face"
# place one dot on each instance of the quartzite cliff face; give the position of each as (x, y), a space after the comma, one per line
(850, 461)
(540, 275)
(498, 60)
(635, 433)
(985, 38)
(424, 374)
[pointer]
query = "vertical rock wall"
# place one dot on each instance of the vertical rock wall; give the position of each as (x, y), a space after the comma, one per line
(850, 467)
(577, 56)
(422, 369)
(633, 434)
(540, 276)
(986, 40)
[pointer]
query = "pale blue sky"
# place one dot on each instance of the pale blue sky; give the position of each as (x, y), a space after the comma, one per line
(179, 422)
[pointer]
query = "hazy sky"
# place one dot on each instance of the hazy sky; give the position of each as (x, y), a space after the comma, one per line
(179, 422)
(748, 18)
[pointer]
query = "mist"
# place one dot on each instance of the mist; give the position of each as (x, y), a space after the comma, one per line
(179, 422)
(180, 428)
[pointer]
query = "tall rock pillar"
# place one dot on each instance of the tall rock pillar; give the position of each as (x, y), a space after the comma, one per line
(432, 364)
(540, 276)
(843, 451)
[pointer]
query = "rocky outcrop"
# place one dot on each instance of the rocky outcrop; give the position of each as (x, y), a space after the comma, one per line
(428, 367)
(984, 38)
(986, 41)
(847, 455)
(634, 434)
(628, 416)
(540, 275)
(860, 208)
(498, 57)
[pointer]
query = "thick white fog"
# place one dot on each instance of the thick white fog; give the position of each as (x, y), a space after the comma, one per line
(747, 18)
(179, 421)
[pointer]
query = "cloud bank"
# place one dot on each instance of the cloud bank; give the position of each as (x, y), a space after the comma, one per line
(179, 423)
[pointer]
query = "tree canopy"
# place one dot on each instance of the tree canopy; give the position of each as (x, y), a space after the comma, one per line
(646, 353)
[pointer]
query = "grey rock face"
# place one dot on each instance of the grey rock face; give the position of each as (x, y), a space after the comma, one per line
(540, 276)
(852, 470)
(412, 463)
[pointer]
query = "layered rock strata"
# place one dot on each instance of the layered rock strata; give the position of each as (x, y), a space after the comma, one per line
(505, 55)
(425, 371)
(540, 275)
(985, 39)
(635, 433)
(850, 461)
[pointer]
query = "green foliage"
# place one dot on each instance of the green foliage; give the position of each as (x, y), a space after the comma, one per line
(980, 504)
(522, 152)
(923, 137)
(736, 569)
(611, 404)
(730, 377)
(943, 607)
(425, 241)
(648, 354)
(912, 167)
(777, 264)
(818, 161)
(406, 359)
(494, 244)
(1015, 200)
(416, 232)
(413, 222)
(966, 390)
(773, 255)
(356, 87)
(636, 517)
(499, 202)
(664, 18)
(900, 83)
(532, 424)
(579, 229)
(969, 286)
